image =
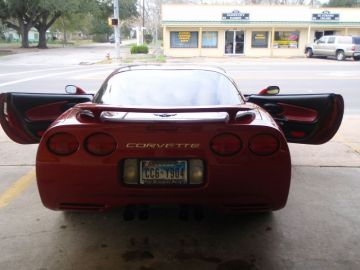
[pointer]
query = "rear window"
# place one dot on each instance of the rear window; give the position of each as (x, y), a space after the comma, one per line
(356, 40)
(169, 88)
(344, 40)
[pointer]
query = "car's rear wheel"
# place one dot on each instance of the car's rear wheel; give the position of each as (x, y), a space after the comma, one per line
(340, 55)
(356, 58)
(309, 53)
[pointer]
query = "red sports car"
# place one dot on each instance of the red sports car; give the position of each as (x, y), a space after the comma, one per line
(167, 135)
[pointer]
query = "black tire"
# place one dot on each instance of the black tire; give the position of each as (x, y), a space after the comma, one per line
(309, 53)
(340, 55)
(356, 58)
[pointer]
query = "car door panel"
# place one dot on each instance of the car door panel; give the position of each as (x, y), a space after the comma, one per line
(25, 116)
(308, 119)
(321, 46)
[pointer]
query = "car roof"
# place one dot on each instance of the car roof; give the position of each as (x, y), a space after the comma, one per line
(171, 67)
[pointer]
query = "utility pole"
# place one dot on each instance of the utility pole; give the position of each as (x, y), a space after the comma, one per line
(143, 21)
(117, 28)
(143, 12)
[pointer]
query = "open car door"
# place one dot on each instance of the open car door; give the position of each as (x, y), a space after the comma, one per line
(307, 119)
(25, 116)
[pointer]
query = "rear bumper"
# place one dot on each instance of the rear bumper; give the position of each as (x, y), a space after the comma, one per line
(251, 186)
(352, 53)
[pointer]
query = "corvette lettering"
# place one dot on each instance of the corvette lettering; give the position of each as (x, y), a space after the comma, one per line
(164, 145)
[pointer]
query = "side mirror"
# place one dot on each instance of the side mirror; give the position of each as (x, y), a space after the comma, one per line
(270, 90)
(74, 90)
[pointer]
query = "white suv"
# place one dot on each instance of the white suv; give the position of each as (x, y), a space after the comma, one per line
(338, 46)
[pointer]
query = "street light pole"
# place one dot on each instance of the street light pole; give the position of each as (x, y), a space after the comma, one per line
(143, 22)
(117, 28)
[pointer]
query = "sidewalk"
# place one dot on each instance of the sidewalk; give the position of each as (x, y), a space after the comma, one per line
(85, 54)
(104, 53)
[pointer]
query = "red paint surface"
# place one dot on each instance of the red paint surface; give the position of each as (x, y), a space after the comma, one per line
(242, 181)
(298, 113)
(47, 112)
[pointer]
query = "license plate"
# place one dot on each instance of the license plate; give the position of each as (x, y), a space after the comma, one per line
(163, 172)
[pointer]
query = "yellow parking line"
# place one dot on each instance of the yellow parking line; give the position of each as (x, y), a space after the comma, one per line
(351, 145)
(19, 186)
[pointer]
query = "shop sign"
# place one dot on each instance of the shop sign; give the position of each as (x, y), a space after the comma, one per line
(236, 15)
(259, 39)
(184, 37)
(325, 16)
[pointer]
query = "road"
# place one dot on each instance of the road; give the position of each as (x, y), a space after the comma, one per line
(318, 229)
(292, 75)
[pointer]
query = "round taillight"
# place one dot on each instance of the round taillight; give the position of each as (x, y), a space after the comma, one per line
(264, 144)
(63, 144)
(100, 144)
(226, 144)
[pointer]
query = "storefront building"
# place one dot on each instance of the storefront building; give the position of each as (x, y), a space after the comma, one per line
(254, 31)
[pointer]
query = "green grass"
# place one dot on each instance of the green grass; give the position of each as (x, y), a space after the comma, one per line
(4, 44)
(50, 43)
(144, 59)
(161, 58)
(3, 53)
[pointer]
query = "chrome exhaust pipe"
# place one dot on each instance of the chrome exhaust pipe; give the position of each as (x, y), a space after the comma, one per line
(198, 212)
(184, 212)
(129, 212)
(143, 213)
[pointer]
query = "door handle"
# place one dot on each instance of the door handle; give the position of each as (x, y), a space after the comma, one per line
(273, 109)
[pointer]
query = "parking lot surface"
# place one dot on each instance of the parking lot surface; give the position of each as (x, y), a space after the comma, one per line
(318, 229)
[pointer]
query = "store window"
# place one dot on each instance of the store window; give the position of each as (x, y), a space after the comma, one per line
(209, 39)
(319, 34)
(259, 39)
(184, 39)
(286, 39)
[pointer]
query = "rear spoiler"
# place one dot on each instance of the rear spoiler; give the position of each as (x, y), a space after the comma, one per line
(214, 114)
(109, 116)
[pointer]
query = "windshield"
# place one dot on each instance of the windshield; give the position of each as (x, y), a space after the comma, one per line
(169, 88)
(356, 40)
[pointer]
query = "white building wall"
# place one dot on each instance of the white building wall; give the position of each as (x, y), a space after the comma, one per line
(184, 17)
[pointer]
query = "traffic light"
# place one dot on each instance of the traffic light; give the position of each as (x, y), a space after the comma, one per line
(113, 21)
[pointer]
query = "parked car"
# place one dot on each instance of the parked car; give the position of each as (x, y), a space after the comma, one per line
(340, 47)
(167, 135)
(112, 38)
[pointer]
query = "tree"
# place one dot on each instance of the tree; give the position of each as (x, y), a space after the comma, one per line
(152, 18)
(51, 10)
(20, 15)
(127, 12)
(342, 3)
(71, 23)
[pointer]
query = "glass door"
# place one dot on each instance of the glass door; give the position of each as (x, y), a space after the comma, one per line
(229, 42)
(234, 42)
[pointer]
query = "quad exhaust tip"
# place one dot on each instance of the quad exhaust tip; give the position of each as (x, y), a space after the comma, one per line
(142, 212)
(196, 210)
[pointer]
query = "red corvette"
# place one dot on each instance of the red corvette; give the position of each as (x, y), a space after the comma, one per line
(167, 135)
